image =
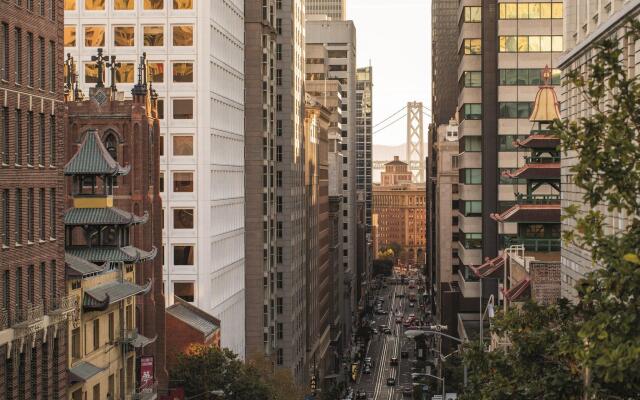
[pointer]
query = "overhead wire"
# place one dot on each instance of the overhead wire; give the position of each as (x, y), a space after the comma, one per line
(389, 117)
(388, 125)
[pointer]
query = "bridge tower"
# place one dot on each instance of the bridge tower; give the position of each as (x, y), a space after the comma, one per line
(415, 139)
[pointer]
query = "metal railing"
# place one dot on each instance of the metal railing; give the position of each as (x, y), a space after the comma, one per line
(63, 304)
(538, 199)
(4, 319)
(541, 160)
(532, 244)
(29, 313)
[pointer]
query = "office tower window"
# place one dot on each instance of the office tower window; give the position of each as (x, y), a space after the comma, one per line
(473, 14)
(156, 72)
(183, 254)
(530, 44)
(182, 4)
(472, 46)
(53, 146)
(512, 109)
(160, 108)
(18, 55)
(69, 36)
(183, 35)
(530, 10)
(153, 35)
(125, 73)
(184, 290)
(472, 79)
(471, 240)
(94, 5)
(182, 72)
(94, 36)
(123, 4)
(183, 182)
(182, 108)
(526, 77)
(470, 143)
(471, 176)
(123, 36)
(30, 61)
(183, 218)
(69, 5)
(153, 4)
(472, 111)
(182, 145)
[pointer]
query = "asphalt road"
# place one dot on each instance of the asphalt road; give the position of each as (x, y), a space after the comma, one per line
(383, 347)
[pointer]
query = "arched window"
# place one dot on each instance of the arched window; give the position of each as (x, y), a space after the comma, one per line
(111, 143)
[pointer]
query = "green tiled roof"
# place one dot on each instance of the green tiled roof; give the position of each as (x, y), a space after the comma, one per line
(82, 371)
(77, 266)
(93, 159)
(102, 216)
(112, 292)
(127, 254)
(194, 317)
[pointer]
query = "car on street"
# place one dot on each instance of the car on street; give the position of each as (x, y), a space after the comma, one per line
(404, 354)
(412, 305)
(391, 381)
(407, 390)
(368, 361)
(398, 320)
(375, 331)
(361, 395)
(366, 370)
(387, 330)
(393, 361)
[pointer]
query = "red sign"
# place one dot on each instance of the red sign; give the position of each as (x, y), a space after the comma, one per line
(146, 373)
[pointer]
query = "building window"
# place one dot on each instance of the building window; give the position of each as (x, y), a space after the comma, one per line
(94, 36)
(279, 153)
(153, 4)
(182, 145)
(514, 109)
(278, 51)
(94, 5)
(184, 290)
(69, 5)
(507, 142)
(280, 330)
(41, 214)
(156, 72)
(471, 240)
(506, 180)
(160, 108)
(182, 108)
(279, 204)
(52, 213)
(182, 4)
(472, 79)
(19, 288)
(472, 46)
(279, 127)
(279, 255)
(123, 4)
(183, 72)
(52, 66)
(125, 73)
(54, 279)
(279, 305)
(472, 111)
(471, 208)
(30, 62)
(43, 63)
(526, 77)
(279, 280)
(30, 141)
(530, 10)
(30, 284)
(473, 14)
(279, 102)
(18, 52)
(30, 216)
(18, 215)
(69, 36)
(470, 143)
(530, 44)
(183, 35)
(183, 254)
(183, 218)
(183, 182)
(112, 327)
(6, 287)
(53, 146)
(4, 52)
(161, 188)
(5, 135)
(153, 35)
(471, 176)
(279, 357)
(124, 36)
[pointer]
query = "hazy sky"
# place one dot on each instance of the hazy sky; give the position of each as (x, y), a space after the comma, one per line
(394, 35)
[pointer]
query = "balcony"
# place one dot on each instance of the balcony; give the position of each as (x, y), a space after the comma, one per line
(541, 160)
(534, 244)
(4, 319)
(28, 318)
(536, 199)
(62, 307)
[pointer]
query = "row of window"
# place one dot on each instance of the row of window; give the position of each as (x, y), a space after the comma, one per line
(506, 110)
(43, 8)
(519, 77)
(182, 145)
(29, 138)
(474, 143)
(120, 5)
(181, 72)
(182, 182)
(23, 61)
(26, 278)
(125, 35)
(530, 44)
(16, 366)
(21, 204)
(473, 176)
(546, 10)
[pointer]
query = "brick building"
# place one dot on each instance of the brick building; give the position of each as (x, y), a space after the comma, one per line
(129, 131)
(34, 305)
(399, 210)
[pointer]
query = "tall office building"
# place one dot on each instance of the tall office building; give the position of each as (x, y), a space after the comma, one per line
(364, 136)
(262, 281)
(34, 303)
(339, 38)
(290, 303)
(334, 9)
(586, 23)
(444, 54)
(195, 51)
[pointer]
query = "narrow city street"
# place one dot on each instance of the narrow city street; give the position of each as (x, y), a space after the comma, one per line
(383, 347)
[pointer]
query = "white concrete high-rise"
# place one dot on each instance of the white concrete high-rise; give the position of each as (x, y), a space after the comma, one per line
(334, 9)
(195, 50)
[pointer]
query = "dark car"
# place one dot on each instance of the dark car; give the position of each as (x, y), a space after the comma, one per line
(404, 354)
(361, 395)
(391, 381)
(407, 390)
(393, 361)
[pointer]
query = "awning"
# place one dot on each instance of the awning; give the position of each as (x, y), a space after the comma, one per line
(127, 254)
(102, 216)
(83, 371)
(100, 297)
(78, 267)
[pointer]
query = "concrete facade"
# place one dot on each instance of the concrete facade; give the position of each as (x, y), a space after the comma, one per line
(334, 9)
(196, 54)
(364, 138)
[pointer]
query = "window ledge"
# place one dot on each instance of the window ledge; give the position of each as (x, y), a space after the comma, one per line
(51, 239)
(18, 245)
(5, 247)
(52, 166)
(29, 242)
(41, 241)
(17, 165)
(40, 166)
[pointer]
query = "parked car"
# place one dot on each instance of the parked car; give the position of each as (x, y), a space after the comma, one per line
(361, 395)
(412, 305)
(391, 381)
(394, 361)
(407, 390)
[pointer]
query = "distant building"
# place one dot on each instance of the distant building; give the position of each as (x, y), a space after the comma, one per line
(364, 138)
(189, 325)
(334, 9)
(400, 210)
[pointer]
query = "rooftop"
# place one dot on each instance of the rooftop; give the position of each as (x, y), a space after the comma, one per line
(93, 159)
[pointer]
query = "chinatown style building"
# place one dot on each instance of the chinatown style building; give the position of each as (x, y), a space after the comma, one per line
(113, 233)
(33, 301)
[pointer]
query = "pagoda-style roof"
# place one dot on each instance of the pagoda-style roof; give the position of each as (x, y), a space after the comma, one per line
(544, 171)
(93, 159)
(78, 267)
(126, 254)
(545, 107)
(103, 216)
(545, 213)
(520, 290)
(539, 140)
(194, 317)
(490, 268)
(134, 339)
(83, 371)
(100, 297)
